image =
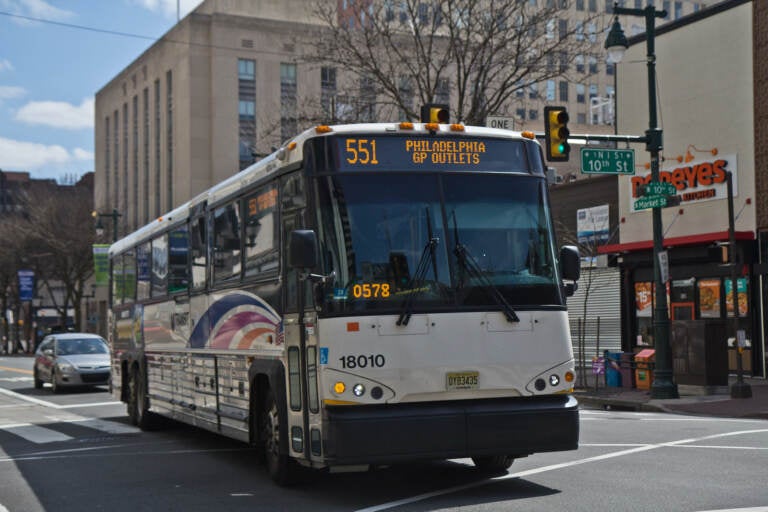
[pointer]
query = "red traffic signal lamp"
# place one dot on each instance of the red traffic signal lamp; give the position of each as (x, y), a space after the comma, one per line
(556, 134)
(435, 113)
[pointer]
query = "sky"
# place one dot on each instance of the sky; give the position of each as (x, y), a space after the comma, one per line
(54, 56)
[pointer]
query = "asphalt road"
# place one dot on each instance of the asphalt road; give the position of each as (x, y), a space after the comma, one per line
(75, 452)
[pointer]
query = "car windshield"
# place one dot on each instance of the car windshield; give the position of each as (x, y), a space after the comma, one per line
(81, 346)
(436, 242)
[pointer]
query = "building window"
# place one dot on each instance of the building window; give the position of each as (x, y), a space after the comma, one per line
(579, 61)
(592, 5)
(107, 156)
(367, 100)
(169, 139)
(592, 64)
(288, 122)
(562, 29)
(246, 90)
(580, 93)
(579, 30)
(124, 205)
(550, 90)
(581, 118)
(533, 91)
(666, 7)
(135, 168)
(579, 5)
(609, 68)
(563, 62)
(533, 114)
(156, 194)
(405, 90)
(145, 181)
(563, 90)
(592, 91)
(328, 91)
(520, 113)
(443, 91)
(678, 10)
(116, 159)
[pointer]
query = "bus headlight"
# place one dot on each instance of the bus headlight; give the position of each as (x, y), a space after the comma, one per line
(554, 380)
(358, 390)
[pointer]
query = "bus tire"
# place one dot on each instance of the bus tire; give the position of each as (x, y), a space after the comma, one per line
(274, 438)
(493, 463)
(138, 402)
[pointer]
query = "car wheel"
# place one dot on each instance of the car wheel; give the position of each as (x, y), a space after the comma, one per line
(274, 436)
(55, 387)
(493, 463)
(36, 377)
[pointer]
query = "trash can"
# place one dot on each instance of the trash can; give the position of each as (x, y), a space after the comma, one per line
(626, 367)
(612, 369)
(644, 361)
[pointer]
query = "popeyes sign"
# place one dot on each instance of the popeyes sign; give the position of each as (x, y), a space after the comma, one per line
(697, 181)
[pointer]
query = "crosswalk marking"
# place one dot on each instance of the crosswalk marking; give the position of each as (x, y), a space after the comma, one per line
(43, 435)
(36, 434)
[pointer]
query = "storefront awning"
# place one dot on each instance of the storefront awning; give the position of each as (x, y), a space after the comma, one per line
(678, 241)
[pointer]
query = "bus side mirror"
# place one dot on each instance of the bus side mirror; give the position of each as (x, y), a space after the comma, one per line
(570, 262)
(302, 249)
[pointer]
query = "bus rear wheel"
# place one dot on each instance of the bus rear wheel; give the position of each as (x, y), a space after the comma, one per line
(493, 463)
(138, 404)
(274, 438)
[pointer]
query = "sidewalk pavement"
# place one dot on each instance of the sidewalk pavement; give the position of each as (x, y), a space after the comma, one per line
(691, 401)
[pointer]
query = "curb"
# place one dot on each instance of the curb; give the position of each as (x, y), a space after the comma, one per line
(620, 404)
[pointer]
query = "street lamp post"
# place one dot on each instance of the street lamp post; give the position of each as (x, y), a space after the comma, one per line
(100, 228)
(663, 385)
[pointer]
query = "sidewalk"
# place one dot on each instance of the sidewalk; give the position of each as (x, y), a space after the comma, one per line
(718, 404)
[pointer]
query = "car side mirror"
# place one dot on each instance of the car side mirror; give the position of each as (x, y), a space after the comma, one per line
(570, 262)
(48, 351)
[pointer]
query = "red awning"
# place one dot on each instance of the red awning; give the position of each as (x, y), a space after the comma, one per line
(704, 238)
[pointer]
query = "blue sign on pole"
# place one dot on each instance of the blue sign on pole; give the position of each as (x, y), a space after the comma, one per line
(26, 285)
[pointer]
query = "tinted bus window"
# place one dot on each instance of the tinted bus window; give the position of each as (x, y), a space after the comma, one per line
(129, 276)
(117, 280)
(197, 244)
(160, 266)
(143, 260)
(260, 233)
(179, 260)
(226, 242)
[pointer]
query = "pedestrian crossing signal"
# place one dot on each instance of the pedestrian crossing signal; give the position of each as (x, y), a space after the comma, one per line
(556, 134)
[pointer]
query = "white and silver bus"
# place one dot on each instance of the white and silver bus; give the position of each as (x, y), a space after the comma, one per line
(368, 294)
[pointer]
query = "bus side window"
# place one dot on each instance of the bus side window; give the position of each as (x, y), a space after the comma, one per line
(197, 243)
(129, 276)
(143, 261)
(178, 255)
(160, 266)
(117, 280)
(226, 242)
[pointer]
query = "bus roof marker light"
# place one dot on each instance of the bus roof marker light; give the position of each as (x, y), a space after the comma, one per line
(406, 125)
(432, 127)
(528, 135)
(323, 128)
(456, 127)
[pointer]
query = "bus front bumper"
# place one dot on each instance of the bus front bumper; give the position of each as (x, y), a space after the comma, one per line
(384, 434)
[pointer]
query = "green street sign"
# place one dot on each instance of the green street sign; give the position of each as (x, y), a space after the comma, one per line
(660, 188)
(607, 161)
(651, 202)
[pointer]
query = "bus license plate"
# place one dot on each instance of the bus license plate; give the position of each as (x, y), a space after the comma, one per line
(461, 380)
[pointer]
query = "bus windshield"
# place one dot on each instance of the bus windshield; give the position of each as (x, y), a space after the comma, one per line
(436, 241)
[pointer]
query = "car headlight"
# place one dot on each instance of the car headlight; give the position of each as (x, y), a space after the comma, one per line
(65, 367)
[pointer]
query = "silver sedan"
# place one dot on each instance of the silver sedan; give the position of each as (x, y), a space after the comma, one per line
(72, 359)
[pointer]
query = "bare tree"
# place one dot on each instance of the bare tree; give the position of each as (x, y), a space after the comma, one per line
(58, 229)
(478, 53)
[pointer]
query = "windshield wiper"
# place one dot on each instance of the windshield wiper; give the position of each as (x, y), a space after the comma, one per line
(416, 282)
(470, 265)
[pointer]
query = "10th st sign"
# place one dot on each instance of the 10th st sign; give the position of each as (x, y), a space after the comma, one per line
(607, 161)
(654, 195)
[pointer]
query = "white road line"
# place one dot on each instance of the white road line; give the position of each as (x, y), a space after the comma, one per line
(29, 399)
(749, 509)
(553, 467)
(36, 434)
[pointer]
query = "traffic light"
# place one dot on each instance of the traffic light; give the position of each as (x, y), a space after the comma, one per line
(435, 113)
(556, 134)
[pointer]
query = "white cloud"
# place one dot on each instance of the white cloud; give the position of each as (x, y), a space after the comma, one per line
(82, 154)
(9, 92)
(34, 9)
(169, 7)
(5, 65)
(58, 114)
(27, 156)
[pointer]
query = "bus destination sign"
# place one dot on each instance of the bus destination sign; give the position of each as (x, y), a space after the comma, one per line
(407, 153)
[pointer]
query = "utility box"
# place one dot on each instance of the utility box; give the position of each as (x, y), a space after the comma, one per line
(626, 367)
(644, 363)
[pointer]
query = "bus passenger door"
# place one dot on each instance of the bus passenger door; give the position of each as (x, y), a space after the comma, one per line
(301, 362)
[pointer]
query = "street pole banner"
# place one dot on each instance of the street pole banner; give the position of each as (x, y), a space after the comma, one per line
(26, 285)
(101, 264)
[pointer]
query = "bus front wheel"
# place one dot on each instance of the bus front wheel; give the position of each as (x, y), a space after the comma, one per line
(274, 438)
(493, 463)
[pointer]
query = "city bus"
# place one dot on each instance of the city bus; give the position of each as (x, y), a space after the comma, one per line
(368, 294)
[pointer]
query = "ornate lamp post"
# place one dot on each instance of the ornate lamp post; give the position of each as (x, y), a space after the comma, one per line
(100, 227)
(616, 43)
